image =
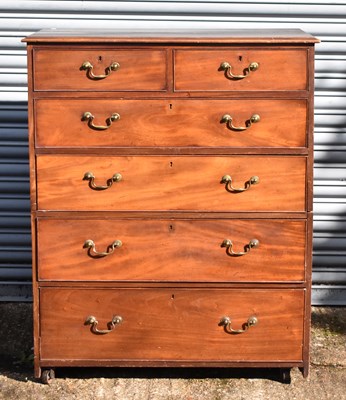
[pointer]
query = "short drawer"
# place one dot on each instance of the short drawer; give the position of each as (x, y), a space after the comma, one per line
(99, 70)
(171, 250)
(254, 69)
(171, 183)
(170, 123)
(171, 324)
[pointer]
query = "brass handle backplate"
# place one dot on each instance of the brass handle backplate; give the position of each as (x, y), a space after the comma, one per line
(91, 320)
(227, 179)
(88, 67)
(227, 67)
(253, 244)
(90, 245)
(89, 176)
(228, 120)
(226, 323)
(87, 116)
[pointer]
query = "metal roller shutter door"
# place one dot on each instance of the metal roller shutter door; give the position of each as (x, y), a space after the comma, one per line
(322, 19)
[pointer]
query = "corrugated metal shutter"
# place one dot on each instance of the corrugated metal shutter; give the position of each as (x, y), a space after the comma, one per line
(322, 19)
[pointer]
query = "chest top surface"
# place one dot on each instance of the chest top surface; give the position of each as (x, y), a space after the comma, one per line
(195, 36)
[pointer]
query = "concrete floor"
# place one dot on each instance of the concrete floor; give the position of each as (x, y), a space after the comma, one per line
(326, 381)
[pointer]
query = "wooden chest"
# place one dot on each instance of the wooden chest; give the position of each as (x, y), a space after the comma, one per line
(171, 189)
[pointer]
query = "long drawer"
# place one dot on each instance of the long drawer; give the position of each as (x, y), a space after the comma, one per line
(253, 69)
(171, 250)
(136, 123)
(99, 70)
(171, 324)
(171, 183)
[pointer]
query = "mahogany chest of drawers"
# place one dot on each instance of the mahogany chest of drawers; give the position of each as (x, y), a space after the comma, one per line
(171, 190)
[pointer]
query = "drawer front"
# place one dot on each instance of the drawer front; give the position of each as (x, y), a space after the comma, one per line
(63, 70)
(172, 250)
(171, 324)
(277, 69)
(171, 183)
(170, 123)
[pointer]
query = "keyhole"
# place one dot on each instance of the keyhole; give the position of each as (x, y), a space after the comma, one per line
(171, 164)
(173, 296)
(100, 58)
(240, 58)
(170, 106)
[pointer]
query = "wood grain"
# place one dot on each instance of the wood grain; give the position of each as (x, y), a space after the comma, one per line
(171, 183)
(170, 123)
(278, 69)
(59, 69)
(172, 250)
(172, 324)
